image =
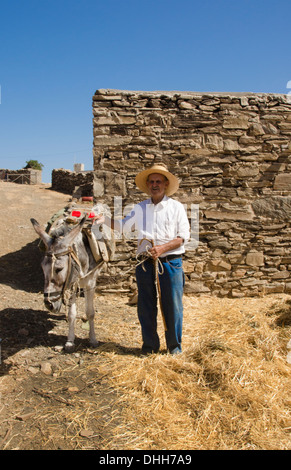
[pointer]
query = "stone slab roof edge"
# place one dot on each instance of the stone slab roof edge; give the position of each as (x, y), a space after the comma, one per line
(109, 91)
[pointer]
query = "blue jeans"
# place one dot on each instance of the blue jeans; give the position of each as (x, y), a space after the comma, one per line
(172, 283)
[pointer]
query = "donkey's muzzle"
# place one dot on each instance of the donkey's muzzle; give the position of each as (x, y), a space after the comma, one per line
(53, 301)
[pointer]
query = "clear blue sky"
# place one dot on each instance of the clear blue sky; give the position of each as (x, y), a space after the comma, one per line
(54, 55)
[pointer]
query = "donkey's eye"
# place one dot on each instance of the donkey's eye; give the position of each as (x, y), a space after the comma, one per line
(58, 270)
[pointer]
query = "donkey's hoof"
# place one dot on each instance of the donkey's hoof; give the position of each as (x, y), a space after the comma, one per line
(94, 344)
(69, 347)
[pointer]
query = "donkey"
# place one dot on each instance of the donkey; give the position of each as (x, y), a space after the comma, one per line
(68, 263)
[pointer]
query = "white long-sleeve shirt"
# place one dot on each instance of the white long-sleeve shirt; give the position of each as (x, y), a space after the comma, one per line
(160, 223)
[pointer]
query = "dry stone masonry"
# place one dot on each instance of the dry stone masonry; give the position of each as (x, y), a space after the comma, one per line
(67, 181)
(232, 154)
(24, 176)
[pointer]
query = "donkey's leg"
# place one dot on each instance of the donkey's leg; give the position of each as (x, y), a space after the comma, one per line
(72, 313)
(90, 312)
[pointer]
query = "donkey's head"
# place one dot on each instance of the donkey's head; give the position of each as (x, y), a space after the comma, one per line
(60, 272)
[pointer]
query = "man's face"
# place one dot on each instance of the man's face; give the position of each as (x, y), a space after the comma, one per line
(157, 185)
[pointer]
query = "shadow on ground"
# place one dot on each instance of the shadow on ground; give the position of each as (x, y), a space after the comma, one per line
(21, 269)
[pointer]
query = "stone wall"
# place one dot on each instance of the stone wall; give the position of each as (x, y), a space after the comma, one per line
(67, 181)
(24, 176)
(232, 155)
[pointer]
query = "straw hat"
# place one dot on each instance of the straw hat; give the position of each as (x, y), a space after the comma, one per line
(141, 179)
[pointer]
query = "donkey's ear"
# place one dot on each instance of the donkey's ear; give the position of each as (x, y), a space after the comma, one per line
(47, 240)
(69, 237)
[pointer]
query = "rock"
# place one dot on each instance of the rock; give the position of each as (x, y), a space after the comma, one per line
(255, 258)
(186, 105)
(248, 172)
(236, 123)
(256, 129)
(231, 145)
(217, 265)
(214, 142)
(274, 207)
(86, 433)
(196, 288)
(222, 244)
(73, 389)
(229, 215)
(281, 275)
(106, 141)
(283, 182)
(274, 288)
(236, 293)
(114, 120)
(46, 368)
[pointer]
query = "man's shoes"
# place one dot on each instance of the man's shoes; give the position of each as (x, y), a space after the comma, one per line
(145, 351)
(175, 351)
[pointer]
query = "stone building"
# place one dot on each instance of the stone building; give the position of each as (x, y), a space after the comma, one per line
(232, 154)
(67, 181)
(24, 176)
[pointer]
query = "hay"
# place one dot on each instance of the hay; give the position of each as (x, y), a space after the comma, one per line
(230, 389)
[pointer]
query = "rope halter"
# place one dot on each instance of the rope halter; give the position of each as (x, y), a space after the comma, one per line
(57, 295)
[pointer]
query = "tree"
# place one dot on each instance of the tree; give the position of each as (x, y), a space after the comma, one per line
(36, 165)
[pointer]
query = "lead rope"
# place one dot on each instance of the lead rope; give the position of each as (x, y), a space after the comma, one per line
(159, 270)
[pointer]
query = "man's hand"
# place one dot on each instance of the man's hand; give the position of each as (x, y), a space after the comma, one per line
(158, 250)
(99, 219)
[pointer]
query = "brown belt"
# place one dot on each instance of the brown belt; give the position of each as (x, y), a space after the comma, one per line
(170, 257)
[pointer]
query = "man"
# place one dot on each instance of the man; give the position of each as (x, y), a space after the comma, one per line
(162, 223)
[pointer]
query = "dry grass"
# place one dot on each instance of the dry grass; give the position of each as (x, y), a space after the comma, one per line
(230, 389)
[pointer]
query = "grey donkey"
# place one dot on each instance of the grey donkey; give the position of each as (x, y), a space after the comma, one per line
(68, 264)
